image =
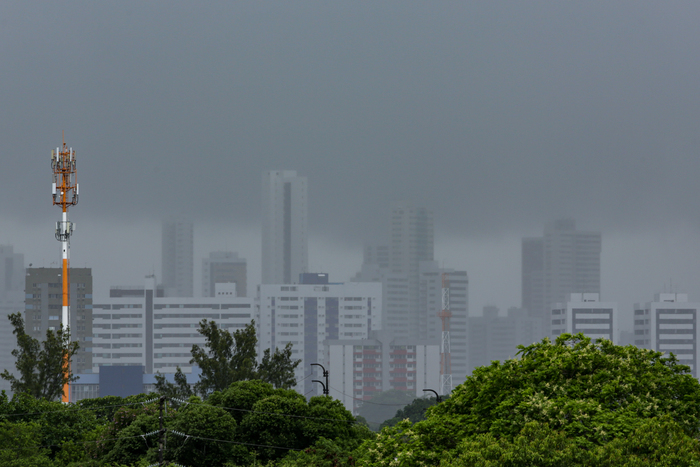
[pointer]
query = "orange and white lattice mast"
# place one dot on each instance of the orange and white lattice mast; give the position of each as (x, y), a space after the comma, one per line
(445, 362)
(65, 193)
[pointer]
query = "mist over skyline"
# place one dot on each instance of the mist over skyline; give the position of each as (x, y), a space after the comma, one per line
(497, 117)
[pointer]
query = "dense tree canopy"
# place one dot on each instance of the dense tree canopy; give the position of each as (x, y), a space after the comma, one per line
(250, 422)
(568, 403)
(572, 400)
(40, 365)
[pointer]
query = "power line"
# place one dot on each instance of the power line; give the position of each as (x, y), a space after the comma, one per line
(186, 436)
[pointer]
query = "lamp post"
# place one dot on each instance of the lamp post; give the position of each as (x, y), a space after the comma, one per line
(325, 375)
(437, 396)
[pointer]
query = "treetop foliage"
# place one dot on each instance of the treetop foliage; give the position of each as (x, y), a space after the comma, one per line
(593, 391)
(40, 365)
(565, 403)
(229, 357)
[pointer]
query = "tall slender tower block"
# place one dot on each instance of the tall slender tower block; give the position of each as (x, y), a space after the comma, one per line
(65, 193)
(178, 257)
(284, 227)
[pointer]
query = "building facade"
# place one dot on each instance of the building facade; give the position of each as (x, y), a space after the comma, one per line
(224, 267)
(669, 324)
(11, 301)
(585, 313)
(178, 258)
(284, 227)
(563, 261)
(43, 303)
(307, 315)
(411, 243)
(496, 338)
(140, 328)
(363, 368)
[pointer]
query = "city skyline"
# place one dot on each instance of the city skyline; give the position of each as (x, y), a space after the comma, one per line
(498, 118)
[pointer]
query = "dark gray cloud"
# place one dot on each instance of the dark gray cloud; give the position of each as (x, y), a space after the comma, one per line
(498, 116)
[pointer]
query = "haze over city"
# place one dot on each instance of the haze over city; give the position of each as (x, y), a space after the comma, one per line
(497, 117)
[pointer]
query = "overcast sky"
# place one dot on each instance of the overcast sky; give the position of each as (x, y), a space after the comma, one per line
(498, 116)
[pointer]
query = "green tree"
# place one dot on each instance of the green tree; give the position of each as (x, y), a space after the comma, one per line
(40, 365)
(278, 368)
(229, 357)
(225, 357)
(202, 425)
(20, 445)
(562, 399)
(179, 389)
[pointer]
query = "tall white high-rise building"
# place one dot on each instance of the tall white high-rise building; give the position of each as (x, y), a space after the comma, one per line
(562, 262)
(178, 258)
(284, 227)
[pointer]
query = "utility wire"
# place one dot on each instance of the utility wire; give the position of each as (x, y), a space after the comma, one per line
(232, 442)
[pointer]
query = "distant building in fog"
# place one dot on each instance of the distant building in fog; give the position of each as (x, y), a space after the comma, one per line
(43, 307)
(584, 313)
(430, 304)
(11, 301)
(397, 265)
(178, 258)
(224, 267)
(284, 227)
(561, 262)
(669, 324)
(493, 337)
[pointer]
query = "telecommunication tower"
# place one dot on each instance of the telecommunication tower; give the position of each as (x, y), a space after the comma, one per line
(65, 193)
(445, 362)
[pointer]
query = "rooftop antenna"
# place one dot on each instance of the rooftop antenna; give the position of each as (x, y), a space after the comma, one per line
(65, 194)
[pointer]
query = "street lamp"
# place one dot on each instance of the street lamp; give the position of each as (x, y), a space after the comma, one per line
(437, 396)
(325, 375)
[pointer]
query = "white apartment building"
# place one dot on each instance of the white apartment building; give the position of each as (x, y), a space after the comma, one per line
(142, 328)
(284, 227)
(585, 313)
(307, 315)
(669, 324)
(363, 368)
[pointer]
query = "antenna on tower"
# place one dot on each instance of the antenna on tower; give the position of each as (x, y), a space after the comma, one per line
(65, 194)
